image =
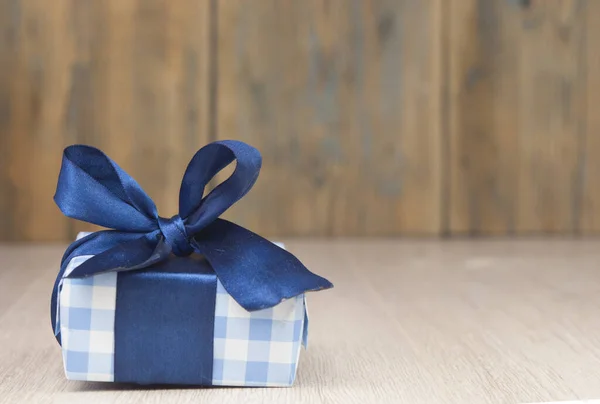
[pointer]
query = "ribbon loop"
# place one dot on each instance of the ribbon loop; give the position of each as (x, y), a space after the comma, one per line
(92, 188)
(175, 235)
(199, 210)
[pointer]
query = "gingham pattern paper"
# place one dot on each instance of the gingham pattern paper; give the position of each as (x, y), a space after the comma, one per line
(258, 348)
(87, 322)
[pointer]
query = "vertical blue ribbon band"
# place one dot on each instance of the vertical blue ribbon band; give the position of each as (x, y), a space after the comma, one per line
(164, 324)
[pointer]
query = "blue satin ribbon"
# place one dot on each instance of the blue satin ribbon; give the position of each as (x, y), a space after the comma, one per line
(255, 272)
(164, 323)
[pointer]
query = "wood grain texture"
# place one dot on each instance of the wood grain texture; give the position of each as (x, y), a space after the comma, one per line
(343, 99)
(517, 103)
(375, 117)
(590, 147)
(436, 322)
(38, 50)
(129, 76)
(8, 51)
(552, 90)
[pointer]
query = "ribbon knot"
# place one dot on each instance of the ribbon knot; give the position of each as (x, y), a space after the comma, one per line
(254, 271)
(175, 235)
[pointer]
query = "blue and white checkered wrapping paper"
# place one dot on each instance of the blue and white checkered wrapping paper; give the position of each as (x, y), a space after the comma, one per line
(258, 348)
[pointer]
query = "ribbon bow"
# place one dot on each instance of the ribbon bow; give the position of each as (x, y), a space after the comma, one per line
(255, 272)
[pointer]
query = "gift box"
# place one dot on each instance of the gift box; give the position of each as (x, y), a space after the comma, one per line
(191, 300)
(259, 348)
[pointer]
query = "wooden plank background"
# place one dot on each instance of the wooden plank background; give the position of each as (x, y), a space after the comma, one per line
(375, 117)
(517, 115)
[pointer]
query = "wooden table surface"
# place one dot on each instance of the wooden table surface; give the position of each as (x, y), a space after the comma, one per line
(408, 322)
